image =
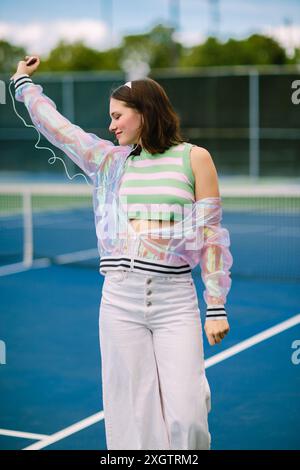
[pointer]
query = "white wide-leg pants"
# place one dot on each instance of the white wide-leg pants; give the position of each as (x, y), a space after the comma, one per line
(155, 391)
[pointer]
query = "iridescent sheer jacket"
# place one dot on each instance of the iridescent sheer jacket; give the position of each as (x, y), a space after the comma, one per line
(198, 239)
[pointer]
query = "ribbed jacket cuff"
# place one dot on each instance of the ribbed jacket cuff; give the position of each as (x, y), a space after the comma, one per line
(20, 80)
(216, 312)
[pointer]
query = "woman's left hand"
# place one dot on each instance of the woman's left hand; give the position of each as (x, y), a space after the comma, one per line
(216, 330)
(24, 68)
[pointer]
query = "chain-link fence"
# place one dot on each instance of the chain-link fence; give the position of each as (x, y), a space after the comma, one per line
(246, 118)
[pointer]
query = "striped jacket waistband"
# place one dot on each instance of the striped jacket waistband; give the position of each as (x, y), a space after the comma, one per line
(136, 264)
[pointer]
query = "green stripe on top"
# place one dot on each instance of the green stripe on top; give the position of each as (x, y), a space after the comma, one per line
(158, 186)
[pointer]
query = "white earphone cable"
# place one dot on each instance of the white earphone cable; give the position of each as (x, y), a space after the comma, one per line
(52, 159)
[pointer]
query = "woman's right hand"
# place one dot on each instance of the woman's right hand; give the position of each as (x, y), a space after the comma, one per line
(23, 66)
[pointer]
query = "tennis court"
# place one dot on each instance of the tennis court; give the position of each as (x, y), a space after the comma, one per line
(50, 296)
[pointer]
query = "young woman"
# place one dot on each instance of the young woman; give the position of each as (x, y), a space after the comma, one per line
(157, 215)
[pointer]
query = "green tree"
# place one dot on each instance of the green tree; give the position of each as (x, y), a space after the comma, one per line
(255, 50)
(157, 48)
(295, 59)
(77, 57)
(10, 55)
(263, 50)
(207, 54)
(166, 51)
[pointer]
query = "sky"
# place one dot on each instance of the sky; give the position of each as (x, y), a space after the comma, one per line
(38, 25)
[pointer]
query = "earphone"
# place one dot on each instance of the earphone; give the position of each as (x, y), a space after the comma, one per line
(31, 61)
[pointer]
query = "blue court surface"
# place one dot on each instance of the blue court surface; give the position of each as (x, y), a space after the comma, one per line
(51, 376)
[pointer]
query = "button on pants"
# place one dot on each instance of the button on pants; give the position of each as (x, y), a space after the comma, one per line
(155, 391)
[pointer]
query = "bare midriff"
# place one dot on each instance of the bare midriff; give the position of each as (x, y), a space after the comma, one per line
(141, 225)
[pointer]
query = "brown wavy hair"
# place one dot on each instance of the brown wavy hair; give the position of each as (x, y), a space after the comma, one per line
(161, 124)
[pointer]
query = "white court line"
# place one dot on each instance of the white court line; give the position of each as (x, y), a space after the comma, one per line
(76, 256)
(25, 435)
(46, 262)
(20, 267)
(248, 343)
(67, 431)
(208, 363)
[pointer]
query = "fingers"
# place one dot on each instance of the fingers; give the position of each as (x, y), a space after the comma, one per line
(216, 331)
(30, 60)
(214, 339)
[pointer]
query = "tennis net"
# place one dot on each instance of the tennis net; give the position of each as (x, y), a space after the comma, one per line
(54, 224)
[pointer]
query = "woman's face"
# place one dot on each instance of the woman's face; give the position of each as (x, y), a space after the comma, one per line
(125, 122)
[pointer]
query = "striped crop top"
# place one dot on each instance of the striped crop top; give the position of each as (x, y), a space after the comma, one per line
(159, 186)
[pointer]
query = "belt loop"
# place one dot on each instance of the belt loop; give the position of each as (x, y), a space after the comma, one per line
(136, 246)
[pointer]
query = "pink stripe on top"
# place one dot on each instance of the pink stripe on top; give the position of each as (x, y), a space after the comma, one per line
(158, 190)
(158, 179)
(154, 176)
(160, 161)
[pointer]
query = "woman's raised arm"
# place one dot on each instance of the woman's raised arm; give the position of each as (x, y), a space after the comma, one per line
(87, 150)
